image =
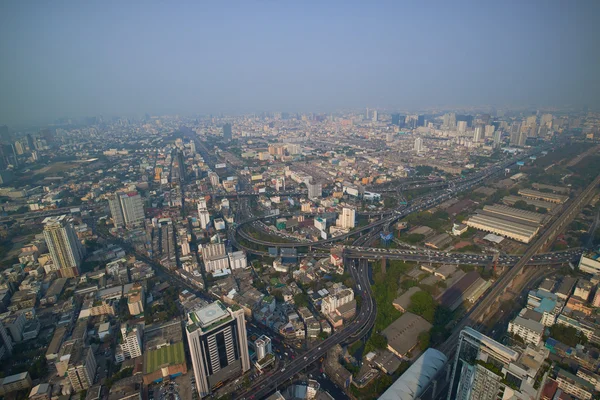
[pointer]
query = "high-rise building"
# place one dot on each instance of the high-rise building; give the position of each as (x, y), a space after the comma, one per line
(461, 126)
(214, 179)
(418, 145)
(30, 142)
(420, 120)
(19, 148)
(82, 368)
(449, 120)
(375, 116)
(478, 134)
(193, 147)
(497, 139)
(515, 133)
(127, 209)
(489, 130)
(347, 218)
(396, 119)
(203, 214)
(218, 345)
(179, 170)
(263, 347)
(227, 132)
(485, 369)
(64, 246)
(132, 341)
(6, 346)
(314, 190)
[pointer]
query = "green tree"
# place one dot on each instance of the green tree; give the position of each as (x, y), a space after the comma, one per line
(379, 341)
(424, 340)
(422, 303)
(301, 300)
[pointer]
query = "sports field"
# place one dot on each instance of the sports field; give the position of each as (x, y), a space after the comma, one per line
(168, 355)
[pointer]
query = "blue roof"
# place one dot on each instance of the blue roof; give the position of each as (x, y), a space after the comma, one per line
(546, 305)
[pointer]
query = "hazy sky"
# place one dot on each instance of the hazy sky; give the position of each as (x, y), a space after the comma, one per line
(77, 58)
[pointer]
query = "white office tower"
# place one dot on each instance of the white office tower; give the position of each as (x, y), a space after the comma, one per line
(237, 260)
(314, 190)
(64, 246)
(127, 209)
(218, 345)
(263, 347)
(485, 369)
(375, 116)
(203, 214)
(347, 218)
(489, 130)
(497, 139)
(192, 147)
(132, 341)
(418, 145)
(478, 134)
(461, 126)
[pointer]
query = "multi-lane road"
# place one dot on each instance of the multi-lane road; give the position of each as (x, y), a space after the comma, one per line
(485, 302)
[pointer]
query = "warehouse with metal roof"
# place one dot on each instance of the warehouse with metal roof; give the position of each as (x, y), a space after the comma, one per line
(504, 226)
(417, 378)
(551, 197)
(527, 217)
(510, 200)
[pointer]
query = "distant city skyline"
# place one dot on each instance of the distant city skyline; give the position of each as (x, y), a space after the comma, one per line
(73, 59)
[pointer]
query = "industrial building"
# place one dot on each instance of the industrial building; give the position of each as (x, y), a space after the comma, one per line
(550, 197)
(403, 334)
(590, 263)
(510, 200)
(469, 287)
(416, 379)
(511, 229)
(525, 216)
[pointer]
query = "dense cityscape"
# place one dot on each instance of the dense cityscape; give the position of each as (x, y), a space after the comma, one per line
(300, 200)
(351, 255)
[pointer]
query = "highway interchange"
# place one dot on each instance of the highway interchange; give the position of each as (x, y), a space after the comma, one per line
(356, 259)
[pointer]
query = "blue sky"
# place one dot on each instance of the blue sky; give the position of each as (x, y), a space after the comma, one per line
(74, 58)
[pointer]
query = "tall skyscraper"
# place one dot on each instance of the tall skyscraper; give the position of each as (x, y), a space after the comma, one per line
(127, 209)
(462, 126)
(485, 369)
(489, 130)
(227, 135)
(203, 214)
(65, 249)
(449, 120)
(515, 130)
(347, 218)
(420, 120)
(375, 116)
(218, 345)
(396, 119)
(478, 134)
(418, 145)
(497, 139)
(179, 170)
(314, 190)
